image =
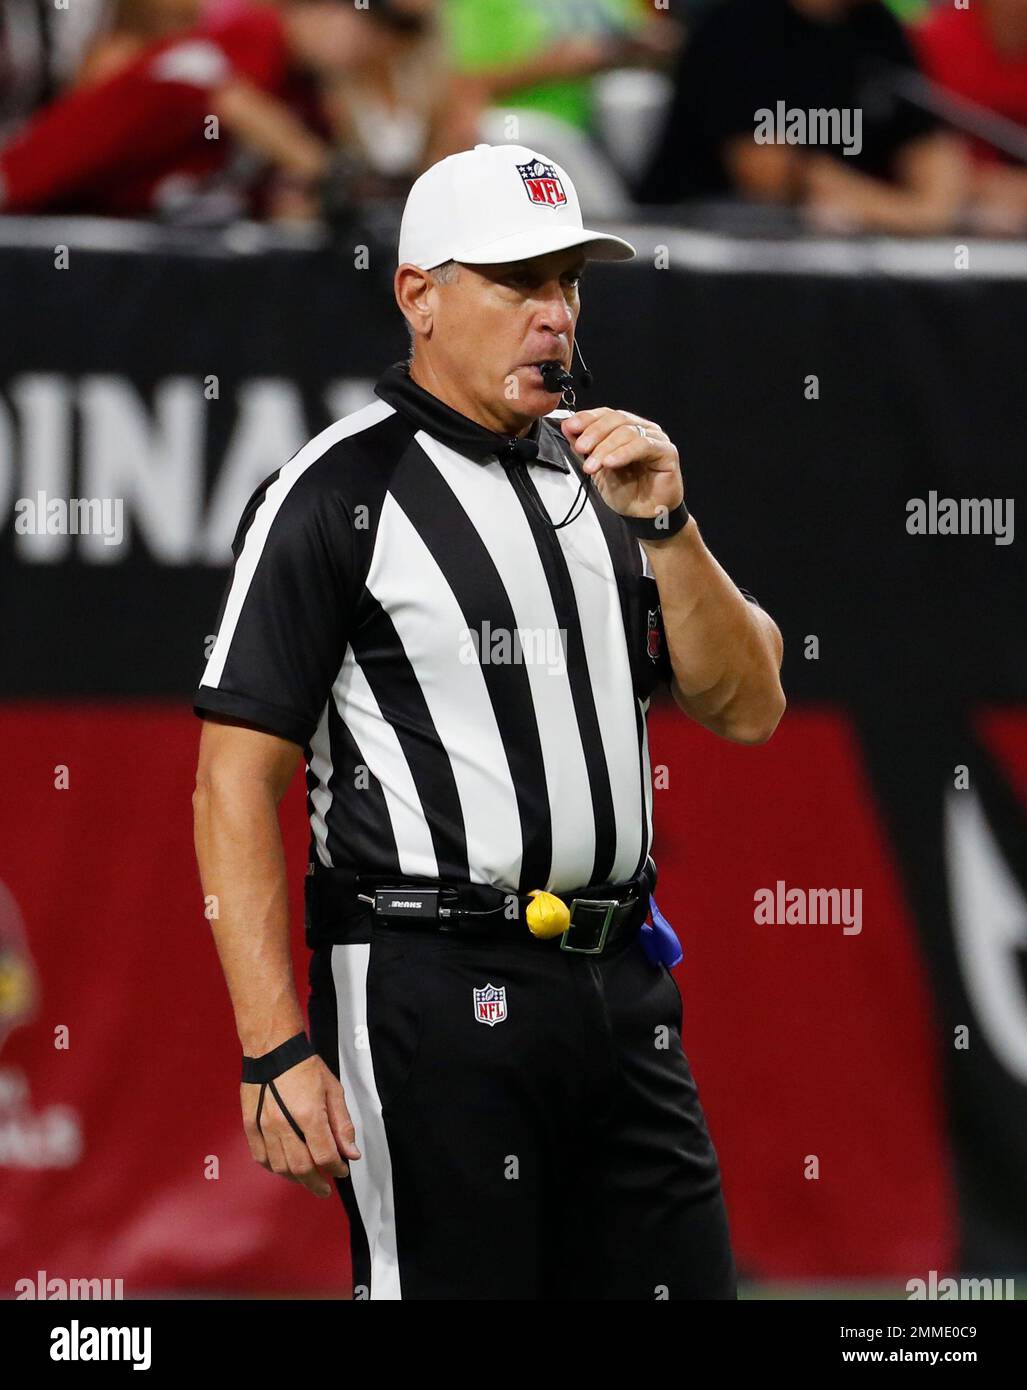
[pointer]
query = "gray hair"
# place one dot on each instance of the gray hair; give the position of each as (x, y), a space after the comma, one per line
(443, 274)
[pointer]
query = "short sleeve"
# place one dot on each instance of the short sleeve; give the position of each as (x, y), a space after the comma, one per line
(287, 610)
(252, 46)
(255, 45)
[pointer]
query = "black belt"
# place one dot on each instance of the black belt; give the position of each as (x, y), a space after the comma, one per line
(342, 907)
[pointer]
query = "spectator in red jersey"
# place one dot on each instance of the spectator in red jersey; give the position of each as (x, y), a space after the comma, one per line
(143, 140)
(132, 24)
(981, 54)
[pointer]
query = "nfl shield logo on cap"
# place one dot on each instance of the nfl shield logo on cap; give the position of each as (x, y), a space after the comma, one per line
(490, 1004)
(543, 183)
(497, 204)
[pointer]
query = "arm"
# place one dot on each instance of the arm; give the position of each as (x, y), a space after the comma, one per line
(764, 173)
(579, 57)
(641, 43)
(929, 187)
(242, 775)
(91, 133)
(998, 200)
(266, 125)
(725, 652)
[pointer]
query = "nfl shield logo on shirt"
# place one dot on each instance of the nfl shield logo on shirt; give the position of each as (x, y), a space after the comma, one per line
(490, 1004)
(543, 183)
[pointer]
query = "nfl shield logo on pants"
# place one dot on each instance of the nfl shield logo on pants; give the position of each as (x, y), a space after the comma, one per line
(490, 1004)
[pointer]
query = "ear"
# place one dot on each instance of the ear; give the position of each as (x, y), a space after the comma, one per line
(413, 288)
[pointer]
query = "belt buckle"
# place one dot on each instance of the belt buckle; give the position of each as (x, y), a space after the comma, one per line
(611, 904)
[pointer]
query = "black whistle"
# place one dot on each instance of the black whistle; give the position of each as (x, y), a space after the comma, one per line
(554, 378)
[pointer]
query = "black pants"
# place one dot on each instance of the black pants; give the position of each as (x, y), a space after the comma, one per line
(543, 1139)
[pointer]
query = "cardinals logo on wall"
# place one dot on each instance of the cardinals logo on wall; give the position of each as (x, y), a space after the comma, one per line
(543, 183)
(50, 1137)
(18, 990)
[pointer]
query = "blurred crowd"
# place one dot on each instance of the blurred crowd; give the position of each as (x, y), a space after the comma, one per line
(894, 116)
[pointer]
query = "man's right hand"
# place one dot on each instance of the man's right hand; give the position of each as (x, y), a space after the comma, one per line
(317, 1103)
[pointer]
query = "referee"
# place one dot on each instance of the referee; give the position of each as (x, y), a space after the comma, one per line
(455, 604)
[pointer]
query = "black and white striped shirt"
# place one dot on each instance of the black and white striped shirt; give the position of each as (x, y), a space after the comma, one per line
(469, 685)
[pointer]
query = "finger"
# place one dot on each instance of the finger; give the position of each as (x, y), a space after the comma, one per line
(254, 1138)
(258, 1151)
(278, 1159)
(302, 1166)
(605, 420)
(623, 446)
(610, 420)
(323, 1149)
(575, 423)
(263, 1131)
(339, 1119)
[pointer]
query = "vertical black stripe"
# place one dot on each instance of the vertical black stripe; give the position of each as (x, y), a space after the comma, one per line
(561, 589)
(394, 684)
(470, 572)
(640, 734)
(361, 837)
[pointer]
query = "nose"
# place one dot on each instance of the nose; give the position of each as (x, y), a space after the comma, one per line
(555, 315)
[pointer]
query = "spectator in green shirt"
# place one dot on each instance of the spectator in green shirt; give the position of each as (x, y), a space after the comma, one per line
(534, 60)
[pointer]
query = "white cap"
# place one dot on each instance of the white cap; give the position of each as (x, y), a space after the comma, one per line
(493, 204)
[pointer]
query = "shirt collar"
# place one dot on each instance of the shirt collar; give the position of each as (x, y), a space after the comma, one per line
(442, 422)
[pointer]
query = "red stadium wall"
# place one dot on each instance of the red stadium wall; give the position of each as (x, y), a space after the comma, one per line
(104, 877)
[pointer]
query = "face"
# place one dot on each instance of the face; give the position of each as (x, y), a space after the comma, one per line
(492, 326)
(327, 37)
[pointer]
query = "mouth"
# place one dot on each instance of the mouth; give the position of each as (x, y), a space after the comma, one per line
(536, 367)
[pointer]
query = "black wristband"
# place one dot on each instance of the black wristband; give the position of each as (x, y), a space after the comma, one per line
(660, 527)
(257, 1070)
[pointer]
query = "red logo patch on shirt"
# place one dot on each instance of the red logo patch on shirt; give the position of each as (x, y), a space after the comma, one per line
(653, 635)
